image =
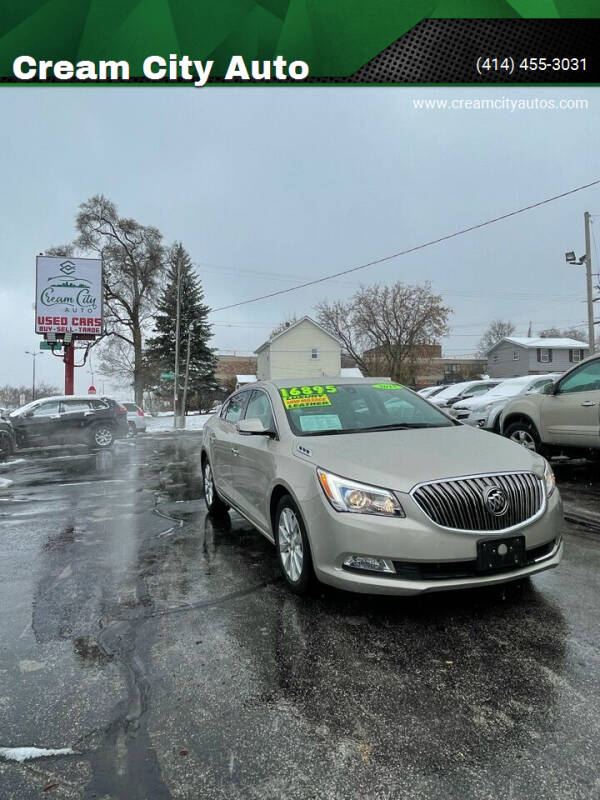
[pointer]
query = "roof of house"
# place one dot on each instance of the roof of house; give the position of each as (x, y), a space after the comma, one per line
(540, 341)
(291, 327)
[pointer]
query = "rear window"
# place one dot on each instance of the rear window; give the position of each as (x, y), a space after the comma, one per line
(130, 406)
(354, 408)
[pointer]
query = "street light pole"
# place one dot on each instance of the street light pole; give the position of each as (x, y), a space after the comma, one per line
(177, 324)
(588, 274)
(30, 353)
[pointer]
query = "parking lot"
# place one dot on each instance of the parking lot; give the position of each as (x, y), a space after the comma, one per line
(164, 651)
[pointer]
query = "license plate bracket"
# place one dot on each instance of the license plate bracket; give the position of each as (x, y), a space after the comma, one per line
(498, 554)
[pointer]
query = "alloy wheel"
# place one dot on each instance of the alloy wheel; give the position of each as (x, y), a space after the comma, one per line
(290, 544)
(103, 437)
(523, 438)
(209, 487)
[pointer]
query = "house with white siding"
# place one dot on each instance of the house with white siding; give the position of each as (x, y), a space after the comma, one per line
(302, 350)
(513, 356)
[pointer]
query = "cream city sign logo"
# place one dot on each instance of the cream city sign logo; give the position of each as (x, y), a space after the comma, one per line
(69, 290)
(496, 500)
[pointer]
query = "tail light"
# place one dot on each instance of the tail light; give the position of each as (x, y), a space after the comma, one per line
(140, 413)
(122, 409)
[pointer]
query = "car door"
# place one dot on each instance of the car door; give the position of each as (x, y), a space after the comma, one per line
(571, 416)
(253, 467)
(73, 420)
(40, 424)
(222, 440)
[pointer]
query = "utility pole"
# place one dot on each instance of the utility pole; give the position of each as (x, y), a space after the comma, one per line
(177, 324)
(35, 355)
(588, 273)
(187, 372)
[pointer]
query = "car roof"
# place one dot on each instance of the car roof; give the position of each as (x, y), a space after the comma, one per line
(280, 383)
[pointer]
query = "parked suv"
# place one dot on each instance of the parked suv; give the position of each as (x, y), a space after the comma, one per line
(369, 487)
(565, 416)
(96, 421)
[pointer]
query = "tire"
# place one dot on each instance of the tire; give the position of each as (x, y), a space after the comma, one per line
(102, 436)
(293, 548)
(6, 445)
(524, 433)
(214, 504)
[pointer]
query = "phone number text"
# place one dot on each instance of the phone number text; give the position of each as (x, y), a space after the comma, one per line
(486, 64)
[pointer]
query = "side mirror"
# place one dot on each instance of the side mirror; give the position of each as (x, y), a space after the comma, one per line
(252, 427)
(466, 396)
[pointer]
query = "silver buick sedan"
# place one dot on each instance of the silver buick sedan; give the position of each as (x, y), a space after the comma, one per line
(365, 485)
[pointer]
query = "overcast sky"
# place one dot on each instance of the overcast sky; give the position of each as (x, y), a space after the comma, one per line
(268, 187)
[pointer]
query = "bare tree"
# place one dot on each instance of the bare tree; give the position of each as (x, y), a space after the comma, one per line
(568, 333)
(387, 329)
(133, 258)
(497, 330)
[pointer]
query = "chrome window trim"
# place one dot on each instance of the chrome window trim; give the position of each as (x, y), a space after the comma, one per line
(509, 529)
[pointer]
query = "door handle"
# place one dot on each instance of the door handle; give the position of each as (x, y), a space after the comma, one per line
(235, 451)
(588, 404)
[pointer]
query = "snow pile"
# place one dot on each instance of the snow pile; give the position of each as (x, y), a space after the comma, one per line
(25, 753)
(163, 423)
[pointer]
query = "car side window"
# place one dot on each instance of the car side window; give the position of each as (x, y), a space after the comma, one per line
(46, 409)
(74, 405)
(98, 404)
(235, 407)
(259, 407)
(584, 379)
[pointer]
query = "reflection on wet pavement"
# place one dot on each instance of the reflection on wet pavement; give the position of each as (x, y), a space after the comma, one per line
(163, 647)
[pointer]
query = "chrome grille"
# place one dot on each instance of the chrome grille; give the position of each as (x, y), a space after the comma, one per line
(459, 503)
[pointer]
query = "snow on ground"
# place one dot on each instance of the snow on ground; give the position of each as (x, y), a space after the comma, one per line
(24, 753)
(4, 465)
(164, 422)
(4, 483)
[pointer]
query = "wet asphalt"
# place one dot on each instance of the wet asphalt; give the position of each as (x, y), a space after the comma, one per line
(164, 649)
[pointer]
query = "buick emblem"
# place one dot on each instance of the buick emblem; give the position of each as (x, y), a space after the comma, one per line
(495, 500)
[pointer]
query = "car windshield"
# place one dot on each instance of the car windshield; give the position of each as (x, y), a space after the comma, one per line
(453, 390)
(315, 410)
(508, 388)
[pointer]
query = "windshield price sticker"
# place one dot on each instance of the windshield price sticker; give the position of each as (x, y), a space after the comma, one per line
(388, 386)
(306, 402)
(307, 391)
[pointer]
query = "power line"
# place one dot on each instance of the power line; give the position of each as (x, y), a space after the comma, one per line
(412, 249)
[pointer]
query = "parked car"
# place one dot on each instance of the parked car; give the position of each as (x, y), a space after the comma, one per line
(136, 419)
(7, 435)
(564, 417)
(96, 421)
(461, 391)
(429, 391)
(484, 410)
(368, 487)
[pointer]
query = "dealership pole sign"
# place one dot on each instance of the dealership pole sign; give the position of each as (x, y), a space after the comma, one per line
(68, 296)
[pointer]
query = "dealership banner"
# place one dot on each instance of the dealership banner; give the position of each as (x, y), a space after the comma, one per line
(295, 42)
(68, 295)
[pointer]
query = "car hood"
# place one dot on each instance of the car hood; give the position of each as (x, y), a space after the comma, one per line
(401, 459)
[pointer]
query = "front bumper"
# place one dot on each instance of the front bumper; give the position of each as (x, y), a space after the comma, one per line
(416, 540)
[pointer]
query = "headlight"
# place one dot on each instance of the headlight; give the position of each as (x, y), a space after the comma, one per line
(549, 479)
(358, 498)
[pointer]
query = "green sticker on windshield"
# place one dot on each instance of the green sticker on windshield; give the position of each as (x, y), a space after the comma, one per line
(388, 386)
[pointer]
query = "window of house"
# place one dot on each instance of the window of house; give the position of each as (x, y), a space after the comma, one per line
(314, 353)
(495, 358)
(544, 355)
(516, 355)
(576, 355)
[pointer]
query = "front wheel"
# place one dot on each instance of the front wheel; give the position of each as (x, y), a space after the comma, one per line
(214, 504)
(525, 434)
(102, 436)
(293, 549)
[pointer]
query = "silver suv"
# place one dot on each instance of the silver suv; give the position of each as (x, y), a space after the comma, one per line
(368, 487)
(565, 416)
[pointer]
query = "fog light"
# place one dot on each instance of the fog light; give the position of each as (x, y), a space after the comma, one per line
(370, 563)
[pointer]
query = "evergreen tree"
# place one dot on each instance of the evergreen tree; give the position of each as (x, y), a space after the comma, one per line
(160, 349)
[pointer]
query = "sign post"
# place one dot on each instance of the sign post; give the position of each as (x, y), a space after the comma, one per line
(68, 304)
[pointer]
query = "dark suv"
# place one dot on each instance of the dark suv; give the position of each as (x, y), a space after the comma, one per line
(7, 436)
(95, 421)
